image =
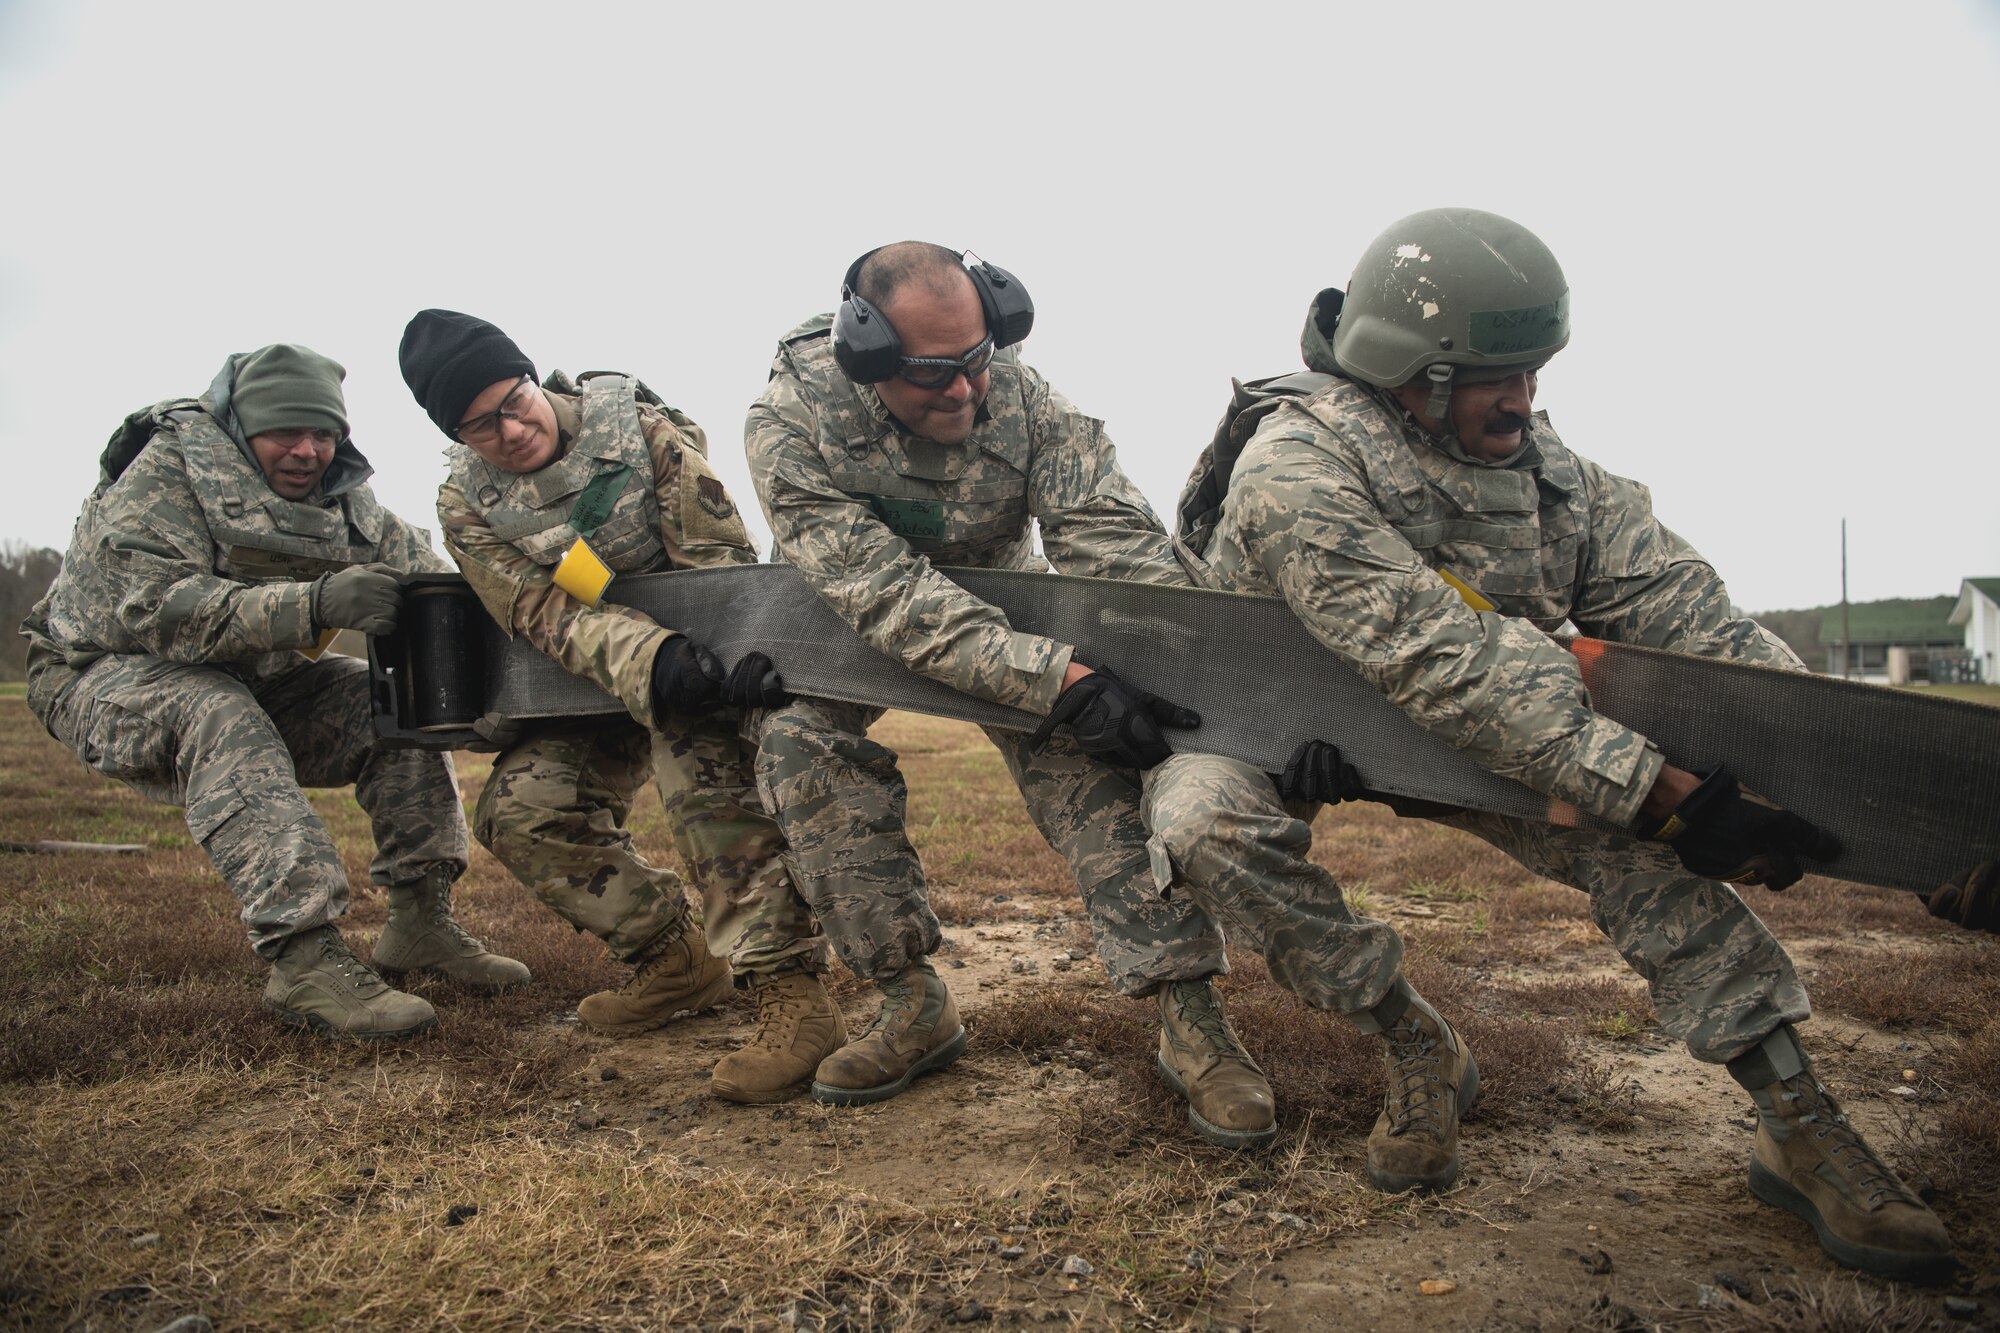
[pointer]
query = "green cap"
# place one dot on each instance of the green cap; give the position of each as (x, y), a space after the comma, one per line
(287, 387)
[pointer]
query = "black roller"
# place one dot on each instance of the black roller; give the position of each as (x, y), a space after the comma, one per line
(442, 625)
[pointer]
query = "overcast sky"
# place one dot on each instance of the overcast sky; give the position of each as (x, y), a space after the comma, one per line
(1777, 220)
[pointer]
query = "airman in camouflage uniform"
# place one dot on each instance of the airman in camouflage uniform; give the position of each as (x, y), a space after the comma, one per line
(874, 470)
(534, 472)
(1433, 530)
(179, 651)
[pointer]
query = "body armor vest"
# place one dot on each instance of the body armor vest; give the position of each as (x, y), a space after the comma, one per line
(260, 536)
(531, 510)
(958, 504)
(1515, 534)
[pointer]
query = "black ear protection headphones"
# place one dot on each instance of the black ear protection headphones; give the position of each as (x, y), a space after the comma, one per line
(867, 348)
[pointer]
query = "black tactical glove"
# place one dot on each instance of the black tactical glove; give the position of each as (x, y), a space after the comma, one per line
(363, 597)
(1315, 772)
(1971, 900)
(1113, 722)
(755, 683)
(1722, 830)
(687, 678)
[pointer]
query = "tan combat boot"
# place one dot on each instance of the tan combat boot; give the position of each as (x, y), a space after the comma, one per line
(916, 1032)
(798, 1025)
(1433, 1080)
(1810, 1162)
(1229, 1099)
(422, 937)
(673, 977)
(317, 983)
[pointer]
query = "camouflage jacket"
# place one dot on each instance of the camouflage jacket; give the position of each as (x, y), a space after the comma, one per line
(866, 510)
(508, 530)
(189, 555)
(1342, 504)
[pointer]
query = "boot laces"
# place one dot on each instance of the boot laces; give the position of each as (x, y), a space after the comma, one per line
(896, 997)
(776, 1002)
(642, 975)
(447, 923)
(333, 951)
(1197, 1009)
(1842, 1145)
(1416, 1092)
(1195, 1006)
(438, 912)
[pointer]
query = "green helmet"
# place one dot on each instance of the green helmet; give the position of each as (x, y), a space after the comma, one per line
(1451, 294)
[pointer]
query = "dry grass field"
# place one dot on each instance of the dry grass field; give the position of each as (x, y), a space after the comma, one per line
(166, 1150)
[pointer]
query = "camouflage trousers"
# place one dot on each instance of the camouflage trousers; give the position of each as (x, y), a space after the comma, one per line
(841, 799)
(555, 809)
(1719, 981)
(236, 754)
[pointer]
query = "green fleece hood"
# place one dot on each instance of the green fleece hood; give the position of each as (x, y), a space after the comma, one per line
(1316, 343)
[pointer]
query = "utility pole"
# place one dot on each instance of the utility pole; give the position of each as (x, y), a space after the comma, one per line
(1845, 650)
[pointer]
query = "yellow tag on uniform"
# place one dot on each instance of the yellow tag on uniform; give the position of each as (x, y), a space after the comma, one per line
(1468, 594)
(326, 638)
(582, 575)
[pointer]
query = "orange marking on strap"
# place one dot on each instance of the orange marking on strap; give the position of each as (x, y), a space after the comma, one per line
(1564, 815)
(1588, 653)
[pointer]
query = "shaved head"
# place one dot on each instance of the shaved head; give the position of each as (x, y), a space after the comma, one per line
(893, 269)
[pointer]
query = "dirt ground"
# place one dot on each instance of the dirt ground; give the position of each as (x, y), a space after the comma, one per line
(1660, 1208)
(164, 1150)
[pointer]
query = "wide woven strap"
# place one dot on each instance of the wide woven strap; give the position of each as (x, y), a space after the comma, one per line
(1910, 783)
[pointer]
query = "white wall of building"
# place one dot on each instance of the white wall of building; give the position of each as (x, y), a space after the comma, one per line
(1980, 616)
(1982, 635)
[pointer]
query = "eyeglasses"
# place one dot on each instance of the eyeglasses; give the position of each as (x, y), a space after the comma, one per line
(934, 372)
(321, 440)
(485, 428)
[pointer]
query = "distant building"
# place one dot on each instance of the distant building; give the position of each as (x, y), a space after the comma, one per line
(1893, 640)
(1977, 613)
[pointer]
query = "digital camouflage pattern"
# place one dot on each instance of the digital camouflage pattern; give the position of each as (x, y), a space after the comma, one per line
(507, 531)
(1718, 980)
(866, 512)
(1220, 832)
(842, 801)
(191, 556)
(1343, 505)
(236, 752)
(555, 808)
(163, 657)
(1351, 512)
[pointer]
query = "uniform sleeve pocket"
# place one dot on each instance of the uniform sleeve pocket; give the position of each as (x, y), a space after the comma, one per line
(1609, 750)
(498, 592)
(708, 516)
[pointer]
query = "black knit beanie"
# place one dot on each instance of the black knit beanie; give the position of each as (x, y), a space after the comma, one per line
(449, 359)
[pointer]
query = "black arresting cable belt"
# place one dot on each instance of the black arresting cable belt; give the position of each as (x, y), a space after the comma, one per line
(1909, 783)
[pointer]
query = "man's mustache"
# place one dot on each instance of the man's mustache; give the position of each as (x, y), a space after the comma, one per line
(1505, 423)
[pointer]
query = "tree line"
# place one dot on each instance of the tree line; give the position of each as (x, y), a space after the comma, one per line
(25, 574)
